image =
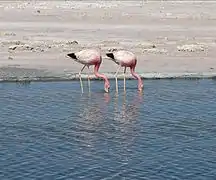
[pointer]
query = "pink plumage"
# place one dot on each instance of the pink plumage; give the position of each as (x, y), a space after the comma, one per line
(122, 57)
(89, 57)
(126, 59)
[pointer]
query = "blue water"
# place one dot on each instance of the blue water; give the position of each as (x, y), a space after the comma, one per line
(51, 131)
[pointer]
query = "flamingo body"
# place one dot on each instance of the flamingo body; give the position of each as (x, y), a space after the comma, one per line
(126, 59)
(89, 57)
(123, 58)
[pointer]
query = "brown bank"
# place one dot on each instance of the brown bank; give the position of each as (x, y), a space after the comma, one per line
(169, 38)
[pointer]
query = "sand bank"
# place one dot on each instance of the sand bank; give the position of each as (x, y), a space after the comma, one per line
(170, 39)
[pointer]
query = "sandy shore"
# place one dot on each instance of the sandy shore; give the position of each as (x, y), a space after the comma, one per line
(170, 39)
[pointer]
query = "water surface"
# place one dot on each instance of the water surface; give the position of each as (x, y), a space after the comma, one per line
(51, 131)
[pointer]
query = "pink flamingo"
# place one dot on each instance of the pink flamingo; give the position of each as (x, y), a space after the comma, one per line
(125, 59)
(89, 57)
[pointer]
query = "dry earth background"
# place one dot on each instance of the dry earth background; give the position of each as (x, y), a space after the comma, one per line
(170, 38)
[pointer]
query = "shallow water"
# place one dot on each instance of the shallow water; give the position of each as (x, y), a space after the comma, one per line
(51, 131)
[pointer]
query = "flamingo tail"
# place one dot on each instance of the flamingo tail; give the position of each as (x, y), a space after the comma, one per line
(72, 55)
(110, 55)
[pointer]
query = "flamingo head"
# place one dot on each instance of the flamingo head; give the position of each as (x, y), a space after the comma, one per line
(106, 86)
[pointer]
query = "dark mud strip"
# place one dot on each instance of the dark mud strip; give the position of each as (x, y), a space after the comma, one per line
(24, 75)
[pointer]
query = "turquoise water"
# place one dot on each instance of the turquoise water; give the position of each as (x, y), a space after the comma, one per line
(51, 131)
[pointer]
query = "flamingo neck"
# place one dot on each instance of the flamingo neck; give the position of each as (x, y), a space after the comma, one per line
(97, 74)
(140, 83)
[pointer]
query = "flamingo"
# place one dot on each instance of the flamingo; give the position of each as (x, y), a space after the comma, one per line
(125, 59)
(89, 57)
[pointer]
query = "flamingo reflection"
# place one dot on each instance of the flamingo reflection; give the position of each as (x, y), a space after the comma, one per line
(92, 116)
(129, 110)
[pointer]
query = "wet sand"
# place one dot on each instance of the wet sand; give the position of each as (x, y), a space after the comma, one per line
(170, 39)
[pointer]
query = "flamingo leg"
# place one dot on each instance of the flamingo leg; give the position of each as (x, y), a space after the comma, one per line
(116, 74)
(81, 84)
(89, 84)
(124, 79)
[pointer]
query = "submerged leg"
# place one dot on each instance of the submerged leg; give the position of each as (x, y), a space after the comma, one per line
(124, 80)
(81, 84)
(89, 79)
(116, 74)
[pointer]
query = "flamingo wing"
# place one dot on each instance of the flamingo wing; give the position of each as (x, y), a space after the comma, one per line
(121, 56)
(86, 56)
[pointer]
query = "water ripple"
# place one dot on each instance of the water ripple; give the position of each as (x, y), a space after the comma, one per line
(51, 131)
